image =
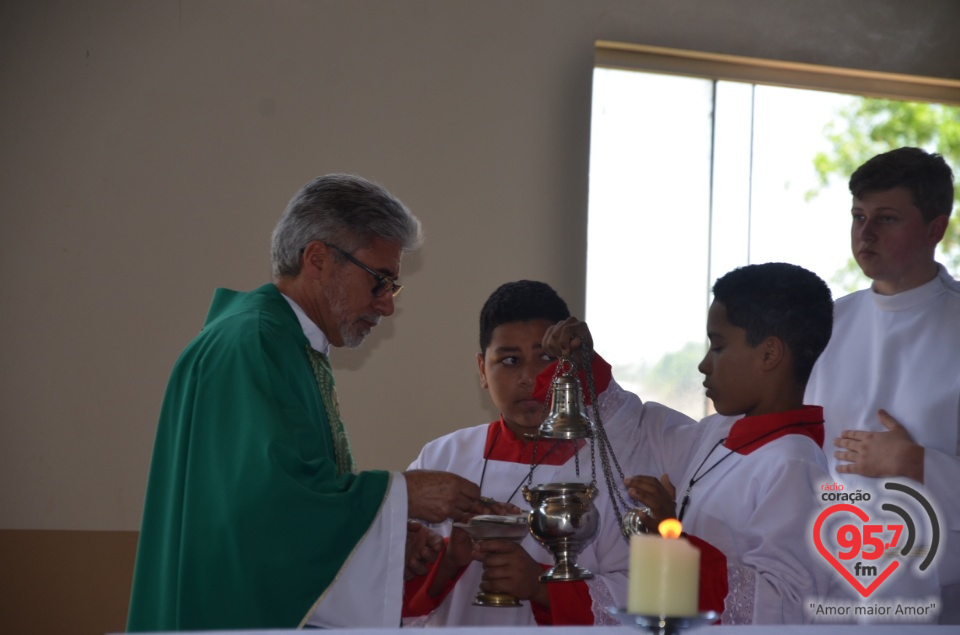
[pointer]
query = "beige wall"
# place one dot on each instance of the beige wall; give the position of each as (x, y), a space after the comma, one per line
(57, 582)
(147, 148)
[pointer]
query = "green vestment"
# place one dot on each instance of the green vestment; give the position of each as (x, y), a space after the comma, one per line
(247, 519)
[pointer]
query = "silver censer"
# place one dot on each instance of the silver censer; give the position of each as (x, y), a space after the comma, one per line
(563, 517)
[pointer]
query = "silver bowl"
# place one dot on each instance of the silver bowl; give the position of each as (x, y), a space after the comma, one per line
(564, 520)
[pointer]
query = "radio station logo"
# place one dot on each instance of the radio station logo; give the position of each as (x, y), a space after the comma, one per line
(871, 538)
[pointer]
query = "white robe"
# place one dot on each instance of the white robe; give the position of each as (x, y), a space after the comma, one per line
(902, 353)
(757, 509)
(625, 419)
(344, 604)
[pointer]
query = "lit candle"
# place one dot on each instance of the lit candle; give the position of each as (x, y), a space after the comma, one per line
(664, 573)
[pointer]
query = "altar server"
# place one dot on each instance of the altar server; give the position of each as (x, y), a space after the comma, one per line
(516, 369)
(889, 381)
(749, 493)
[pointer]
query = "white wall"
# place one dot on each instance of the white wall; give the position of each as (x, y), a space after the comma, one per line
(147, 148)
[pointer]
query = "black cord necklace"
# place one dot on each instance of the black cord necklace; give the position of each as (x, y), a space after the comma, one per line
(696, 479)
(493, 444)
(486, 457)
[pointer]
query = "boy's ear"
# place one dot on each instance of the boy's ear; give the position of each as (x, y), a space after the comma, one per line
(936, 229)
(773, 353)
(483, 371)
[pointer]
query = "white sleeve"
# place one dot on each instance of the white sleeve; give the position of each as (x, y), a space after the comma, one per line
(609, 587)
(778, 571)
(626, 419)
(647, 438)
(673, 438)
(373, 570)
(941, 473)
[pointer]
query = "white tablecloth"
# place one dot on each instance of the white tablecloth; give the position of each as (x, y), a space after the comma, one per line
(826, 629)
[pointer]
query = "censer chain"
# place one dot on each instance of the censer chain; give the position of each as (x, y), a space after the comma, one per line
(606, 450)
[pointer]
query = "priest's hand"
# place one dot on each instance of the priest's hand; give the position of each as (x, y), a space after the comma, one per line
(563, 338)
(880, 454)
(508, 568)
(437, 496)
(657, 496)
(496, 508)
(423, 548)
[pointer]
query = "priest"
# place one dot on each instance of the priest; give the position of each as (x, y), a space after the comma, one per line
(255, 513)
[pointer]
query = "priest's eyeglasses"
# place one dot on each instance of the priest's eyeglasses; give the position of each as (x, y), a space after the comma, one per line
(384, 284)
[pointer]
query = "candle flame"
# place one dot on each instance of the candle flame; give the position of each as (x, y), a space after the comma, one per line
(670, 528)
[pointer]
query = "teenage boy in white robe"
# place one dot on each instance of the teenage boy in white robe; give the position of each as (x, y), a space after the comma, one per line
(749, 493)
(515, 369)
(889, 381)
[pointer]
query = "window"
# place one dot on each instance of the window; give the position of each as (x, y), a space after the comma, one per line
(699, 164)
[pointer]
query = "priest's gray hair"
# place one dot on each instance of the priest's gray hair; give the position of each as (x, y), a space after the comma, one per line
(343, 210)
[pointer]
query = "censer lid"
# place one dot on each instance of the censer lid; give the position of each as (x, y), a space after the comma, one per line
(567, 418)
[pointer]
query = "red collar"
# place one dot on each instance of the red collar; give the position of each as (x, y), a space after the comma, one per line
(503, 445)
(751, 433)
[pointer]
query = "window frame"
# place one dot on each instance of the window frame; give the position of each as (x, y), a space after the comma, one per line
(657, 59)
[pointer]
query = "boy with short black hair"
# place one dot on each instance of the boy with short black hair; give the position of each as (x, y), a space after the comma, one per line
(749, 490)
(498, 456)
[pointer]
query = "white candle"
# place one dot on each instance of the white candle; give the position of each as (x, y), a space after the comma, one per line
(664, 575)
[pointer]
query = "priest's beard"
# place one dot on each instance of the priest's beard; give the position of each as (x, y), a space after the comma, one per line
(353, 328)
